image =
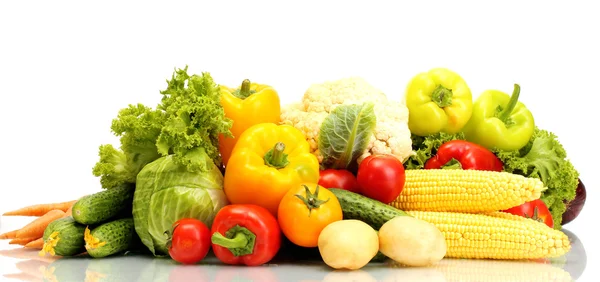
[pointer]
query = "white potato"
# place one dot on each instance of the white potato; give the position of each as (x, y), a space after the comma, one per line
(348, 244)
(411, 241)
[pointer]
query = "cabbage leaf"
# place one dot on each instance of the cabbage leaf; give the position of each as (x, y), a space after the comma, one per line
(167, 191)
(344, 134)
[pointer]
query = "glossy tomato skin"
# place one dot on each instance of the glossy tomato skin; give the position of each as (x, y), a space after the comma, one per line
(535, 209)
(381, 177)
(190, 241)
(338, 178)
(302, 223)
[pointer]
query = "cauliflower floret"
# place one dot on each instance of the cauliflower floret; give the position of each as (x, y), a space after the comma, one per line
(391, 134)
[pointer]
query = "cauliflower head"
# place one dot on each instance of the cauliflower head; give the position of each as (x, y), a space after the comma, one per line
(391, 135)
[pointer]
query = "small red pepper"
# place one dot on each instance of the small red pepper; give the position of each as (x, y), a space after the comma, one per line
(460, 154)
(245, 234)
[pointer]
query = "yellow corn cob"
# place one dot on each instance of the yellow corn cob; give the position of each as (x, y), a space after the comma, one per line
(496, 235)
(486, 270)
(472, 191)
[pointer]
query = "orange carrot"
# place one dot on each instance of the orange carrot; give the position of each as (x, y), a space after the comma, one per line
(40, 209)
(35, 229)
(36, 244)
(9, 235)
(69, 211)
(21, 241)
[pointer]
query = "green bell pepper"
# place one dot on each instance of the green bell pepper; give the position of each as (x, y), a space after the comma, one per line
(500, 121)
(438, 101)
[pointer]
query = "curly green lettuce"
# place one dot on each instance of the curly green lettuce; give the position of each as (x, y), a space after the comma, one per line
(186, 124)
(545, 158)
(194, 120)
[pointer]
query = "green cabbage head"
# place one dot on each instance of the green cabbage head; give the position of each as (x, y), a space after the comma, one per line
(166, 192)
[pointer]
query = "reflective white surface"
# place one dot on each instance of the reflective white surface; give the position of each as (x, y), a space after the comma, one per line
(18, 264)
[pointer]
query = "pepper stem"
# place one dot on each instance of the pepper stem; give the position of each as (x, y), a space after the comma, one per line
(311, 200)
(244, 91)
(452, 164)
(442, 96)
(504, 116)
(239, 240)
(276, 157)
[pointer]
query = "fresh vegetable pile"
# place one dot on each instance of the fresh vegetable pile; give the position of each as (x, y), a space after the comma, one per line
(345, 171)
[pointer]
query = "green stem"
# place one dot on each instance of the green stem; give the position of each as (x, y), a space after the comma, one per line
(504, 116)
(276, 157)
(245, 88)
(311, 200)
(244, 91)
(452, 164)
(238, 241)
(442, 96)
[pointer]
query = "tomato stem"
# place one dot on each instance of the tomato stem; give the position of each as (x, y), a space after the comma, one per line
(311, 200)
(239, 240)
(276, 157)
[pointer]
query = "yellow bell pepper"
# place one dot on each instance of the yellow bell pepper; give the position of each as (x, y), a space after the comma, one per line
(266, 162)
(438, 100)
(247, 105)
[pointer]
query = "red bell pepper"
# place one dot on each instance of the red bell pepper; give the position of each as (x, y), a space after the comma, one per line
(245, 234)
(462, 154)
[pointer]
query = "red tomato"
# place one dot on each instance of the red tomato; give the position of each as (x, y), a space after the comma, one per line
(190, 241)
(381, 177)
(338, 178)
(535, 209)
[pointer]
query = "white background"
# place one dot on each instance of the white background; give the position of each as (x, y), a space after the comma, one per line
(67, 67)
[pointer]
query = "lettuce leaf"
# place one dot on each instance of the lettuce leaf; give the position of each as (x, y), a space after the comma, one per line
(188, 119)
(344, 134)
(545, 158)
(194, 119)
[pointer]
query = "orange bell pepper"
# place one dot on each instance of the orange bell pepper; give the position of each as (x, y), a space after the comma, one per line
(247, 105)
(267, 161)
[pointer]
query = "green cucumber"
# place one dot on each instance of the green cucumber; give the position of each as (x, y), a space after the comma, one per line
(105, 205)
(111, 238)
(64, 237)
(372, 212)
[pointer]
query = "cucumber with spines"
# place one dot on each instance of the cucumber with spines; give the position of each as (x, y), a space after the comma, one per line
(64, 237)
(110, 238)
(105, 205)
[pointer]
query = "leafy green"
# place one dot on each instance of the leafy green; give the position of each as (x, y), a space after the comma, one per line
(344, 134)
(545, 158)
(195, 119)
(138, 127)
(185, 124)
(167, 191)
(426, 147)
